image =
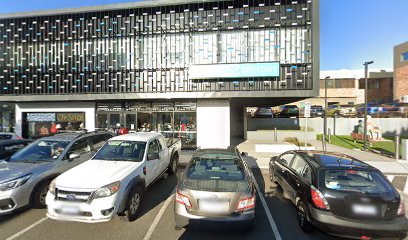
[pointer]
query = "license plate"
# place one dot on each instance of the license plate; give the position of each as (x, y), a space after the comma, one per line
(214, 206)
(70, 210)
(367, 210)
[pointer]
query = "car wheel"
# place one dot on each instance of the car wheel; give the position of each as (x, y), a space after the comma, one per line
(39, 195)
(173, 164)
(304, 224)
(133, 205)
(272, 176)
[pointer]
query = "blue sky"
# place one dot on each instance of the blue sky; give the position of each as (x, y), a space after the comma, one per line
(352, 31)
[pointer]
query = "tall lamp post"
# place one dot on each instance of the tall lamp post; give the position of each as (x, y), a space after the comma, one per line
(366, 103)
(325, 113)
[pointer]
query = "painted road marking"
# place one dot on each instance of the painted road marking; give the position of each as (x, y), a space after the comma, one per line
(268, 213)
(27, 229)
(158, 217)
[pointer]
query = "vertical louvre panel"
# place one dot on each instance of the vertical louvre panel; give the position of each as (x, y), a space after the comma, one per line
(145, 50)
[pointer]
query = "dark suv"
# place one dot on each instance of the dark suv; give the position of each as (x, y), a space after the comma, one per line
(340, 195)
(26, 175)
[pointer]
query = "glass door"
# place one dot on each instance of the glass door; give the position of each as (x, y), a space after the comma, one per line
(185, 124)
(144, 122)
(164, 122)
(131, 123)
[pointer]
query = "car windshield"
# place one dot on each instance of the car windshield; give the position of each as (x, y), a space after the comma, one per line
(40, 151)
(216, 167)
(356, 181)
(119, 150)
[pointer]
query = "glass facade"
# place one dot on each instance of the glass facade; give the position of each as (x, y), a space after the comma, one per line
(40, 124)
(171, 118)
(7, 121)
(149, 50)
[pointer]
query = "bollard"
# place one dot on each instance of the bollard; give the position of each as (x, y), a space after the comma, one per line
(397, 147)
(276, 135)
(329, 135)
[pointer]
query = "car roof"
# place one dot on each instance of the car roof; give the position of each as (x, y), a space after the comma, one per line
(225, 151)
(69, 136)
(331, 159)
(139, 136)
(17, 141)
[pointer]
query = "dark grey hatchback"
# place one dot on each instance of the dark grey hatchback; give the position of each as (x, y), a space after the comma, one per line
(340, 195)
(216, 187)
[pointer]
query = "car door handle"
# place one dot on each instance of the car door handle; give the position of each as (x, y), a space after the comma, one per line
(297, 184)
(283, 171)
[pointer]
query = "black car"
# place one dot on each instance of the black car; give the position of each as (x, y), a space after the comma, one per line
(289, 111)
(316, 111)
(9, 147)
(340, 195)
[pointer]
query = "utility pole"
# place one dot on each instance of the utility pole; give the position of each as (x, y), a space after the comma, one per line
(325, 114)
(366, 102)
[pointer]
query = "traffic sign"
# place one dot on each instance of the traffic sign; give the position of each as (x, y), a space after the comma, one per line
(307, 109)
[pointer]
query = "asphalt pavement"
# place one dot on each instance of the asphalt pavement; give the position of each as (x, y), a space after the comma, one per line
(156, 220)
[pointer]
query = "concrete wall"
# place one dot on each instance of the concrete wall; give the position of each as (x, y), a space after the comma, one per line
(87, 107)
(341, 126)
(213, 123)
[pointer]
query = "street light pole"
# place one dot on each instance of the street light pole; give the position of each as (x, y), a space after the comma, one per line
(325, 114)
(366, 103)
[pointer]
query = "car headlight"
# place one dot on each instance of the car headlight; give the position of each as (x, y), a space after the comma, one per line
(107, 190)
(51, 188)
(15, 183)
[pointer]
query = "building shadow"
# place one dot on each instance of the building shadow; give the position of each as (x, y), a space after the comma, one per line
(7, 217)
(158, 193)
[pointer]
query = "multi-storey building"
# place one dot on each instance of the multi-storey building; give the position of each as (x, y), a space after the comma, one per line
(185, 66)
(401, 72)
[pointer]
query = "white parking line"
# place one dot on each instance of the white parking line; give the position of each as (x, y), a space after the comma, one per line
(157, 219)
(268, 213)
(27, 229)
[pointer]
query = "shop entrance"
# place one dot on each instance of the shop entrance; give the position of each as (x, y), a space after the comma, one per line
(176, 119)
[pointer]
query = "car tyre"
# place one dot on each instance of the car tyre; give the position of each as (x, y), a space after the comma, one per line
(272, 176)
(173, 164)
(133, 205)
(301, 213)
(39, 195)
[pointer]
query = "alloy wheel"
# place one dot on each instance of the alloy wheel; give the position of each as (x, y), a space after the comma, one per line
(134, 203)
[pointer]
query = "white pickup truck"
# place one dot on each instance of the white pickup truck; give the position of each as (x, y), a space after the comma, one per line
(114, 180)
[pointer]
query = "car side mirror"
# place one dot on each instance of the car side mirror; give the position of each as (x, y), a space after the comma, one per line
(273, 159)
(244, 154)
(152, 156)
(73, 156)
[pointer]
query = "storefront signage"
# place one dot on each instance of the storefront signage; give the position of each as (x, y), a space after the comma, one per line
(269, 69)
(109, 107)
(70, 117)
(41, 117)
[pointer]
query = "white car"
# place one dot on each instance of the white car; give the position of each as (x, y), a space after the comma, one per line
(114, 180)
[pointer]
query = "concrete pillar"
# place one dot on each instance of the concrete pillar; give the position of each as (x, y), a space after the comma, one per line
(213, 123)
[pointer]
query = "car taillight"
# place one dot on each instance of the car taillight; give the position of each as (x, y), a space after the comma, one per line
(246, 203)
(183, 199)
(318, 199)
(401, 208)
(19, 138)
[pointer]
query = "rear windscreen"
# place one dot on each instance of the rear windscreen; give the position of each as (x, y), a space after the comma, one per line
(357, 181)
(216, 169)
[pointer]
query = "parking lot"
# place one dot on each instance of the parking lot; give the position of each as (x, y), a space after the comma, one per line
(156, 220)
